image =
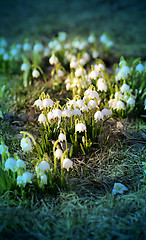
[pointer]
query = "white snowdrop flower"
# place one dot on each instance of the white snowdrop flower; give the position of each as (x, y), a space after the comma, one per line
(66, 113)
(60, 73)
(2, 51)
(131, 102)
(47, 103)
(88, 92)
(1, 114)
(94, 94)
(19, 180)
(76, 112)
(106, 112)
(58, 153)
(91, 38)
(120, 105)
(95, 54)
(35, 73)
(118, 95)
(102, 87)
(26, 47)
(62, 36)
(46, 52)
(125, 88)
(26, 144)
(44, 166)
(93, 75)
(42, 118)
(38, 47)
(57, 113)
(98, 115)
(3, 43)
(72, 103)
(3, 148)
(20, 164)
(103, 38)
(80, 72)
(84, 108)
(140, 68)
(38, 103)
(58, 47)
(112, 103)
(10, 164)
(67, 163)
(14, 52)
(53, 60)
(26, 177)
(119, 188)
(80, 103)
(74, 64)
(68, 86)
(43, 178)
(6, 57)
(92, 104)
(80, 127)
(24, 67)
(53, 43)
(82, 61)
(100, 80)
(50, 115)
(123, 73)
(62, 137)
(99, 67)
(67, 46)
(86, 56)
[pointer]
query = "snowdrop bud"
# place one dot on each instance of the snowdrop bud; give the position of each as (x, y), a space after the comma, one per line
(125, 88)
(19, 180)
(58, 153)
(46, 52)
(3, 148)
(24, 67)
(42, 118)
(67, 163)
(26, 144)
(26, 177)
(98, 115)
(119, 188)
(92, 104)
(53, 60)
(140, 68)
(44, 166)
(60, 73)
(47, 103)
(50, 115)
(20, 164)
(62, 137)
(26, 47)
(35, 73)
(80, 127)
(10, 164)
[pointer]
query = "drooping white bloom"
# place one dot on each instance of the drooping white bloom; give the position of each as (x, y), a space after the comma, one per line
(120, 105)
(86, 57)
(60, 73)
(19, 180)
(67, 163)
(26, 177)
(46, 52)
(50, 115)
(24, 67)
(44, 166)
(82, 61)
(102, 86)
(118, 96)
(91, 38)
(3, 148)
(112, 103)
(57, 113)
(93, 74)
(26, 46)
(92, 104)
(140, 68)
(47, 103)
(125, 88)
(42, 118)
(106, 41)
(119, 188)
(80, 127)
(80, 103)
(131, 102)
(98, 115)
(123, 73)
(20, 164)
(80, 72)
(10, 164)
(3, 42)
(62, 137)
(66, 113)
(62, 36)
(106, 112)
(35, 73)
(43, 178)
(53, 60)
(58, 153)
(38, 103)
(95, 54)
(76, 112)
(26, 144)
(74, 64)
(38, 47)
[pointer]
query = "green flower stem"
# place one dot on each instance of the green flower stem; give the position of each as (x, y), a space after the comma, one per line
(86, 139)
(100, 130)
